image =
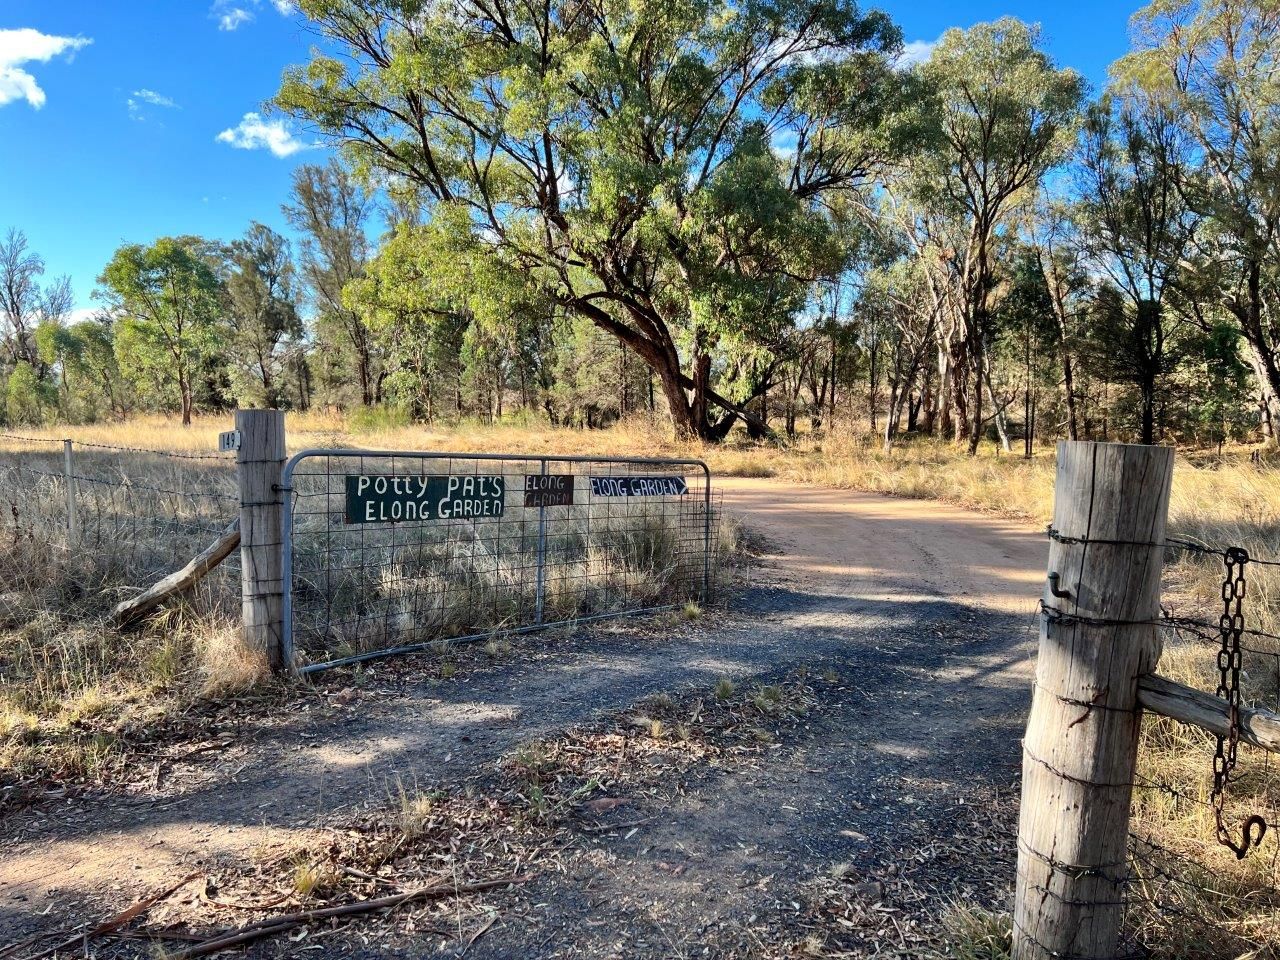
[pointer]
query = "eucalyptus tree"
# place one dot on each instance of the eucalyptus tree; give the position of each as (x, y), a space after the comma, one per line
(1136, 230)
(1215, 64)
(1054, 243)
(25, 302)
(1028, 333)
(901, 317)
(331, 210)
(164, 300)
(674, 172)
(262, 316)
(83, 360)
(997, 115)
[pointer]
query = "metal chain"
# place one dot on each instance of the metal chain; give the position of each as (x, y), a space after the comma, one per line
(1231, 628)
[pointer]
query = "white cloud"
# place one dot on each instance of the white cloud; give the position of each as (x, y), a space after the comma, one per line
(81, 314)
(233, 18)
(29, 46)
(916, 52)
(233, 14)
(153, 98)
(141, 98)
(256, 133)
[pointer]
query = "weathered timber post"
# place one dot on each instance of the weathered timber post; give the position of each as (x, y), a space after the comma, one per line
(69, 478)
(260, 464)
(1097, 638)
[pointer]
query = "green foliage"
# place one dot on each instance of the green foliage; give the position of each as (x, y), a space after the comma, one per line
(28, 399)
(81, 359)
(726, 211)
(330, 210)
(620, 166)
(1213, 68)
(165, 298)
(994, 115)
(259, 302)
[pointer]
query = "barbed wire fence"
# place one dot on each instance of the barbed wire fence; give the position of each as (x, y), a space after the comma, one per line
(91, 522)
(1204, 856)
(1197, 871)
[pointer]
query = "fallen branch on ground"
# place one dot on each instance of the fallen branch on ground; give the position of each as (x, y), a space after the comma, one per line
(119, 920)
(274, 925)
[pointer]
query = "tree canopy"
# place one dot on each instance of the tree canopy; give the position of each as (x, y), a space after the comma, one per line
(673, 172)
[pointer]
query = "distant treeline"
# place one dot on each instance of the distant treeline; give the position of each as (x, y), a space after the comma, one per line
(750, 213)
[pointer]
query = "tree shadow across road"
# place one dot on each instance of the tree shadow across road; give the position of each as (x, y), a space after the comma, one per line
(934, 694)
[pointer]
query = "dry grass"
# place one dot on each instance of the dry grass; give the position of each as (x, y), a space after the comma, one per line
(75, 693)
(73, 690)
(63, 674)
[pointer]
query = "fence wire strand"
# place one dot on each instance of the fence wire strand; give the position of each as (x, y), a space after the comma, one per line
(367, 589)
(1201, 899)
(120, 519)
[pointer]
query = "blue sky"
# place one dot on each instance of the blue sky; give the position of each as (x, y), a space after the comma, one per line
(125, 121)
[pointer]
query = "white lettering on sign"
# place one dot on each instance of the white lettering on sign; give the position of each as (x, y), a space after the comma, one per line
(398, 499)
(659, 486)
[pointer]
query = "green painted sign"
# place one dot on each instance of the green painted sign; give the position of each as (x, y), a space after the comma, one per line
(391, 499)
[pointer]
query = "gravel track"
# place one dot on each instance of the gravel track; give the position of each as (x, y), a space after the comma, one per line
(925, 610)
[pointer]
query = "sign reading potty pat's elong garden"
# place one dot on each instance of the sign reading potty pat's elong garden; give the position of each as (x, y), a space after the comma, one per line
(391, 499)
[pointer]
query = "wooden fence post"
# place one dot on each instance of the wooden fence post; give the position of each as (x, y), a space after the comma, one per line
(1081, 744)
(260, 465)
(69, 478)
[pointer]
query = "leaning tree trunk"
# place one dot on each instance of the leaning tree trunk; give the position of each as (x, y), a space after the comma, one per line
(678, 405)
(1268, 399)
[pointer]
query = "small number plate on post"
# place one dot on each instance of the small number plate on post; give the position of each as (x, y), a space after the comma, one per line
(230, 440)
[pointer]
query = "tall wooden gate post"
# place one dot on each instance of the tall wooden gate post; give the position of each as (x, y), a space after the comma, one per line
(260, 464)
(1096, 640)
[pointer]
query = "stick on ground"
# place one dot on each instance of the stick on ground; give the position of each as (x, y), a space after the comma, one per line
(274, 925)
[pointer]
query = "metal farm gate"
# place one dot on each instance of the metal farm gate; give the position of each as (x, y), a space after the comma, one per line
(394, 552)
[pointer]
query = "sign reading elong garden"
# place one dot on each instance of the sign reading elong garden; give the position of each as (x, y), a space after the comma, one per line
(660, 486)
(548, 490)
(388, 499)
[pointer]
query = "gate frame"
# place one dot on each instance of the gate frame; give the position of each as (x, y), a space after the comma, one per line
(286, 509)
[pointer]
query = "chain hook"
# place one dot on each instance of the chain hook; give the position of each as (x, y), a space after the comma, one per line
(1231, 627)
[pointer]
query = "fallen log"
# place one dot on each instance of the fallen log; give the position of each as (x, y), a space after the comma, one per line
(129, 612)
(1260, 728)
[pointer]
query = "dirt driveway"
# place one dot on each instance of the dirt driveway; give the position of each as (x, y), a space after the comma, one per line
(924, 611)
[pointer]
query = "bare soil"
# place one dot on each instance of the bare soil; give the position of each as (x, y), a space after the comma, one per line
(918, 615)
